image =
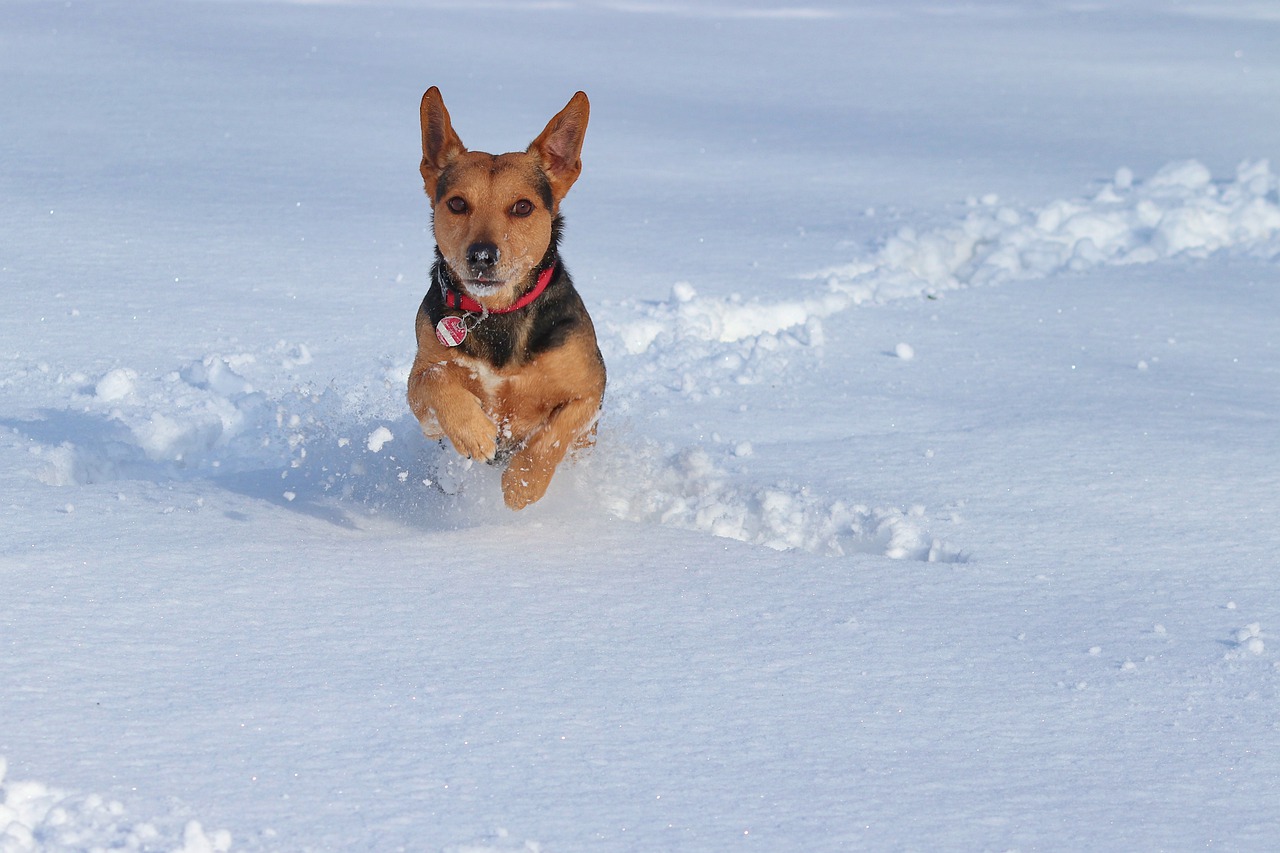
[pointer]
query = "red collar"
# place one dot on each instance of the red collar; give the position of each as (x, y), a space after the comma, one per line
(455, 299)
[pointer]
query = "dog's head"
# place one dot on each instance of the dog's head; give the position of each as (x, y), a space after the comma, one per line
(493, 214)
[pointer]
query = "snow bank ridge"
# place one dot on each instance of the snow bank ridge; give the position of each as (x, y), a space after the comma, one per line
(1179, 212)
(37, 818)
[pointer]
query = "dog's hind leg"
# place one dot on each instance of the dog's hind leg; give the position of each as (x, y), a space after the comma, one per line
(532, 466)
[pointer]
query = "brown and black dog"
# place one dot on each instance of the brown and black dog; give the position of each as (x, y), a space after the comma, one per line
(507, 366)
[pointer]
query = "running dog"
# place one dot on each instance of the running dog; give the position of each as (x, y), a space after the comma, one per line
(508, 368)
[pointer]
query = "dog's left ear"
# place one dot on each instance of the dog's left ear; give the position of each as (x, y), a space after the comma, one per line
(559, 146)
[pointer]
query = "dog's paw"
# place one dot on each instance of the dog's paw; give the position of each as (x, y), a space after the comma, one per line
(524, 482)
(473, 434)
(476, 444)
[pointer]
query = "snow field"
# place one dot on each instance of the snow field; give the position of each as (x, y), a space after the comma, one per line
(205, 419)
(242, 589)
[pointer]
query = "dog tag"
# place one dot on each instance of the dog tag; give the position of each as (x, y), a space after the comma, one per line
(451, 331)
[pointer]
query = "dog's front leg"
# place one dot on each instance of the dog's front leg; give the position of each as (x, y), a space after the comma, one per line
(444, 406)
(531, 467)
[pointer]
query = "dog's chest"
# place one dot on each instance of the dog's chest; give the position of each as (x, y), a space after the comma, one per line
(520, 398)
(489, 385)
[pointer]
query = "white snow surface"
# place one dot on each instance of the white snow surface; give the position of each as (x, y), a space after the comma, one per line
(935, 500)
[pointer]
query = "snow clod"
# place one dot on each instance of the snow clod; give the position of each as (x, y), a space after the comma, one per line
(378, 438)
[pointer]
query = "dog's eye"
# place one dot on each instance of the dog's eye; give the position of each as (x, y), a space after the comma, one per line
(457, 204)
(522, 208)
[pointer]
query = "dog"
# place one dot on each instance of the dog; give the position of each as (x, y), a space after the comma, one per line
(507, 368)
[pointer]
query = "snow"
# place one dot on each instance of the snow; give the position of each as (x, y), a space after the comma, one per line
(933, 504)
(36, 817)
(378, 439)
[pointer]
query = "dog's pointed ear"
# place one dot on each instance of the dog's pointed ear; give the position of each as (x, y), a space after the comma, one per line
(559, 146)
(439, 142)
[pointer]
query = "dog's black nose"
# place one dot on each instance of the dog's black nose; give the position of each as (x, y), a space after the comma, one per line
(482, 257)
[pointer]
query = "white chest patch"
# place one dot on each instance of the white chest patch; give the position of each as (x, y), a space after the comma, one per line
(491, 381)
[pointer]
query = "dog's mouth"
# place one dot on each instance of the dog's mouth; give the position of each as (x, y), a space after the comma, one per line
(483, 286)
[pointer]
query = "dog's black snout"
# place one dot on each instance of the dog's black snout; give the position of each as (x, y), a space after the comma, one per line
(482, 257)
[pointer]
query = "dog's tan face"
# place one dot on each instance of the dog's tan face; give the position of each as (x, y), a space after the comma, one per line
(492, 218)
(492, 214)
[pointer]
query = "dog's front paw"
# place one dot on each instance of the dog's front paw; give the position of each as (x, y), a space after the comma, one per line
(525, 481)
(473, 433)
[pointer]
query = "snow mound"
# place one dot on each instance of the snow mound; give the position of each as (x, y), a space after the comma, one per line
(688, 489)
(1248, 641)
(132, 426)
(1179, 212)
(34, 817)
(116, 384)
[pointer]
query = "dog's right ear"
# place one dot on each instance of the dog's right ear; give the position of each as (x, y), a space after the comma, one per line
(439, 143)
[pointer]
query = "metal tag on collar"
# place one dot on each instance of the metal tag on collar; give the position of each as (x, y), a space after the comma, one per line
(451, 331)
